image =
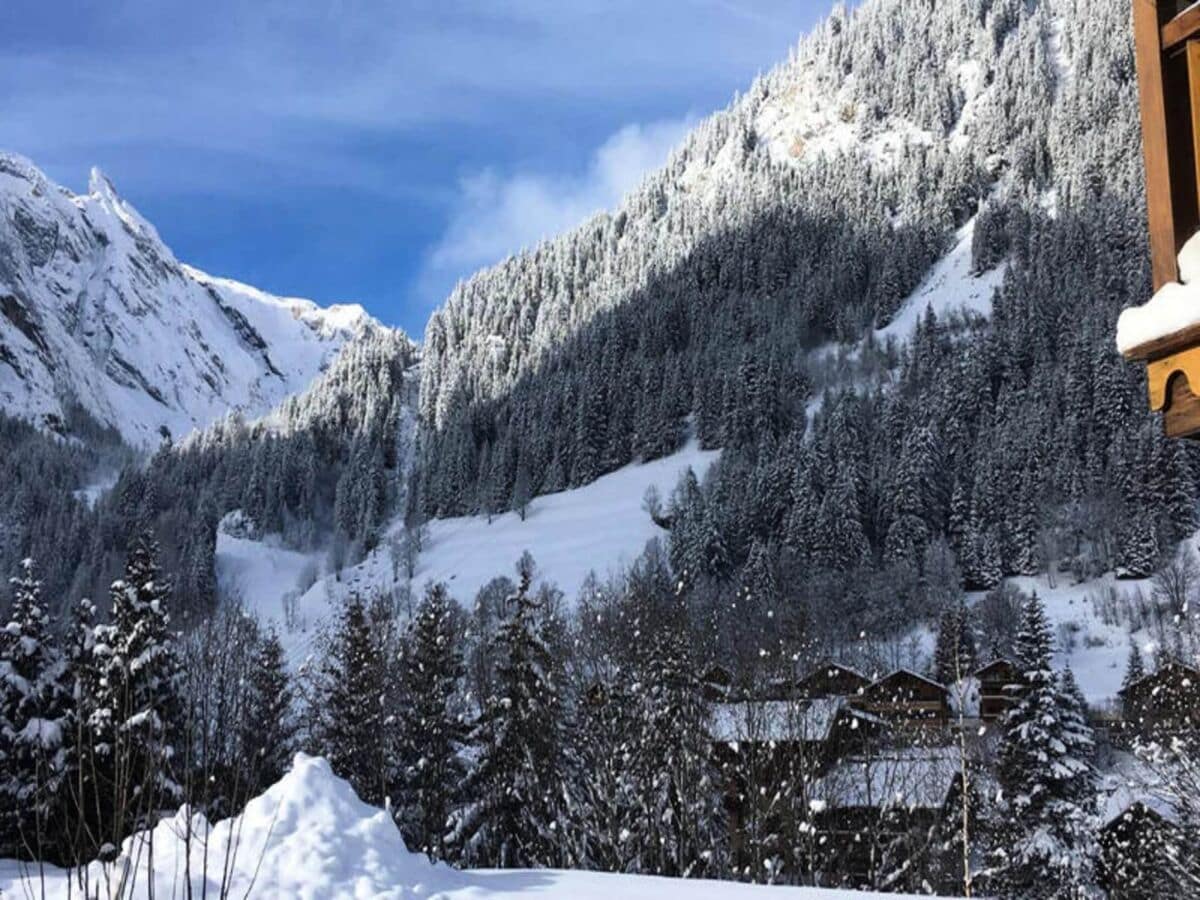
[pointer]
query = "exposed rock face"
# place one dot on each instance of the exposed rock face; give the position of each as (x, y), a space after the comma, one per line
(95, 309)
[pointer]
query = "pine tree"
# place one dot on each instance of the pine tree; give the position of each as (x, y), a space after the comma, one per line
(431, 726)
(78, 806)
(954, 653)
(1045, 848)
(679, 821)
(516, 803)
(1135, 669)
(268, 732)
(352, 731)
(32, 709)
(136, 723)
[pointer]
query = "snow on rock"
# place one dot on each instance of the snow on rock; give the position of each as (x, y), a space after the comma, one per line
(93, 305)
(950, 285)
(1174, 307)
(310, 836)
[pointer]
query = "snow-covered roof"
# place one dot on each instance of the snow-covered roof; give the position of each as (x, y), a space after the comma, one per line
(998, 663)
(775, 720)
(1131, 781)
(909, 673)
(1175, 307)
(908, 778)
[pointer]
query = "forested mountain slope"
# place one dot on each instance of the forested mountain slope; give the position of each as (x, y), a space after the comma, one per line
(95, 310)
(806, 213)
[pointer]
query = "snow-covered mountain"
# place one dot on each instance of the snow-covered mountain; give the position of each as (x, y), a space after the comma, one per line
(95, 309)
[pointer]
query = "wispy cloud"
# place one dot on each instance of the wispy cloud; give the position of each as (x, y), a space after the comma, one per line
(496, 214)
(351, 109)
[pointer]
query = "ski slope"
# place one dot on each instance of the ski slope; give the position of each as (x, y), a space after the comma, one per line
(599, 527)
(310, 837)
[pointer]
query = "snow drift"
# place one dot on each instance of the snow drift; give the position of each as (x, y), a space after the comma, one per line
(1174, 307)
(310, 836)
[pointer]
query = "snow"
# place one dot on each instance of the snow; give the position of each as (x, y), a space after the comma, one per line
(808, 121)
(1096, 651)
(913, 778)
(775, 720)
(1174, 307)
(309, 836)
(599, 527)
(950, 285)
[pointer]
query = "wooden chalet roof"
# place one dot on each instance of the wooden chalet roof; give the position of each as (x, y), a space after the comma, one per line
(997, 666)
(902, 676)
(825, 676)
(907, 778)
(783, 721)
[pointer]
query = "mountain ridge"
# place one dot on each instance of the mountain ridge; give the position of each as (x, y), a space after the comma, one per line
(96, 310)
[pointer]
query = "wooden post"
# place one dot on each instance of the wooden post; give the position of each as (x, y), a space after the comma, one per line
(1193, 67)
(1147, 38)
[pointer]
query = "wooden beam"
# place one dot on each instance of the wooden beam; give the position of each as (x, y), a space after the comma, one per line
(1180, 28)
(1165, 346)
(1181, 418)
(1193, 67)
(1147, 37)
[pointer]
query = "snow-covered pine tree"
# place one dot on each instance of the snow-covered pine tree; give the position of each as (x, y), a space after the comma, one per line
(1135, 668)
(32, 709)
(268, 731)
(351, 724)
(1139, 549)
(606, 736)
(516, 802)
(955, 650)
(431, 728)
(136, 722)
(1045, 846)
(78, 807)
(680, 822)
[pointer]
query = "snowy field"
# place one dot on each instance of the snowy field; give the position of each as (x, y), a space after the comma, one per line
(600, 527)
(310, 837)
(949, 286)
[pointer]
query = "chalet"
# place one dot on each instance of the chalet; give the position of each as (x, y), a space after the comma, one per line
(1136, 843)
(905, 695)
(1163, 703)
(784, 743)
(832, 679)
(717, 683)
(999, 683)
(865, 807)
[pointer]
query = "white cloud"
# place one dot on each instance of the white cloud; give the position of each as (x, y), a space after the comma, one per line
(496, 215)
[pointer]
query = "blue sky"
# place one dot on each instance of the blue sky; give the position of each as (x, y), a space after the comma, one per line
(371, 150)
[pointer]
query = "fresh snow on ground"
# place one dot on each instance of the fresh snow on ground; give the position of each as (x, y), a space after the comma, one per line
(1096, 651)
(309, 836)
(950, 285)
(1174, 307)
(600, 527)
